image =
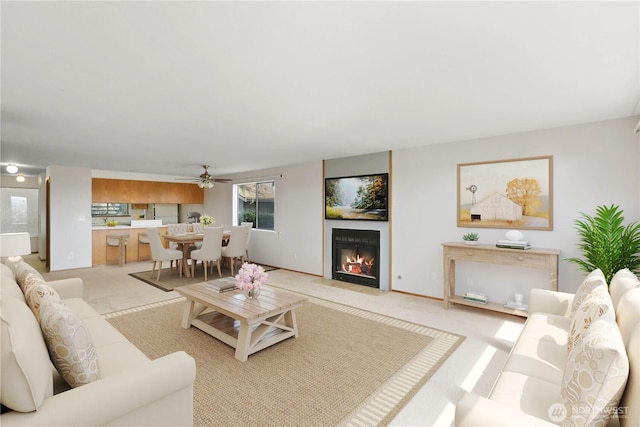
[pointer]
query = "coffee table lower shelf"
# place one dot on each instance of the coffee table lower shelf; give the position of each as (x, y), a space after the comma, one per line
(246, 338)
(493, 306)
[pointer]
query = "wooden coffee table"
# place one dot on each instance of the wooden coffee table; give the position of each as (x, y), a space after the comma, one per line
(246, 325)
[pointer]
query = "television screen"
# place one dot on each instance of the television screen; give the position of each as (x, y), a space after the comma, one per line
(363, 197)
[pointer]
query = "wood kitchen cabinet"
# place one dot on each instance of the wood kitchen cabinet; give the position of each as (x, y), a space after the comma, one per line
(128, 191)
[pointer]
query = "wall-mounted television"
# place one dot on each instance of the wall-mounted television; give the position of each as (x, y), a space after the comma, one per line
(362, 197)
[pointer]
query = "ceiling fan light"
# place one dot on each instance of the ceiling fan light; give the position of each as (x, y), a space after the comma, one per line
(12, 168)
(20, 178)
(201, 184)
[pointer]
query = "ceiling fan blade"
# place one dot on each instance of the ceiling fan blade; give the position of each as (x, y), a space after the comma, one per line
(222, 180)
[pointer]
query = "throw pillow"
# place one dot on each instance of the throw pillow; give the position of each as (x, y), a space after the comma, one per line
(26, 378)
(35, 295)
(592, 281)
(623, 281)
(22, 270)
(595, 305)
(595, 376)
(70, 345)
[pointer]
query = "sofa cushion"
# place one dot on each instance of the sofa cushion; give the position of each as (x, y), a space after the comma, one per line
(628, 314)
(538, 358)
(69, 342)
(531, 395)
(8, 284)
(592, 281)
(623, 281)
(596, 304)
(26, 369)
(596, 374)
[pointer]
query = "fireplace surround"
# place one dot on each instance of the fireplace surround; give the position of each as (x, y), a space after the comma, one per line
(356, 256)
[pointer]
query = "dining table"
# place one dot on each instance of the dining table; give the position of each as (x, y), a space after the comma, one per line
(185, 243)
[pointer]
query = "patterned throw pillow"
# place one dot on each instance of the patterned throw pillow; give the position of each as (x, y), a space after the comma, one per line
(595, 376)
(70, 345)
(22, 270)
(592, 281)
(36, 295)
(595, 305)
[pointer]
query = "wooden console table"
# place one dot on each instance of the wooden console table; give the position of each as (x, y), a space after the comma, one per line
(545, 259)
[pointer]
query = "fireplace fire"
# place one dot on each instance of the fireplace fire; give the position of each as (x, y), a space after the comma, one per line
(355, 256)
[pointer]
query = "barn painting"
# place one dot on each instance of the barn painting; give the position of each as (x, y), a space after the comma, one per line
(506, 194)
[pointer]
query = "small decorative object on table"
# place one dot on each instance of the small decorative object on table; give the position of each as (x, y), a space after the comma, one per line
(471, 238)
(207, 220)
(112, 223)
(250, 279)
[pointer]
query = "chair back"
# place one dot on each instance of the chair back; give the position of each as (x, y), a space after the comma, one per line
(211, 244)
(249, 225)
(237, 241)
(154, 242)
(180, 228)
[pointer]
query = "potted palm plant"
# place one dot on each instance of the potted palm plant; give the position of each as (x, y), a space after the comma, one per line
(606, 243)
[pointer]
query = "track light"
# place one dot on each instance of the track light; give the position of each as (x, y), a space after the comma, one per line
(20, 177)
(12, 168)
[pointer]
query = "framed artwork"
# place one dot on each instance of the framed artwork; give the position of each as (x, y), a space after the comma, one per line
(515, 194)
(363, 197)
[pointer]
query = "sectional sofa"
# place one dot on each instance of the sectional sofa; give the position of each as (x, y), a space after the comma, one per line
(575, 363)
(62, 364)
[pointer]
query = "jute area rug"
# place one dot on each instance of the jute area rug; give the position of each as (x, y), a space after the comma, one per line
(170, 278)
(348, 366)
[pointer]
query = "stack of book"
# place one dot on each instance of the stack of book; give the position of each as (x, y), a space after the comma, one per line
(221, 285)
(476, 297)
(514, 244)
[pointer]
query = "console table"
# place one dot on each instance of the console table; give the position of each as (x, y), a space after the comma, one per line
(545, 259)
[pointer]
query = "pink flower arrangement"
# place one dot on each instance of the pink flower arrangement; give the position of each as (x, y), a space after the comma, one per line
(251, 277)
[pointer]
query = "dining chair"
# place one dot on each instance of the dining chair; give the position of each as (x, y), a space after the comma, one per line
(237, 247)
(160, 254)
(211, 251)
(250, 225)
(173, 229)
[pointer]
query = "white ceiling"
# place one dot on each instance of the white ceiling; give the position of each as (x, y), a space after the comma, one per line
(163, 87)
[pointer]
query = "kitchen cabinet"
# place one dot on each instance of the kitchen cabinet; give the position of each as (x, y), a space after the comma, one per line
(99, 244)
(129, 191)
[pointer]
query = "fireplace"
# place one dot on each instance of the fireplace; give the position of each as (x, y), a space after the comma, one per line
(356, 256)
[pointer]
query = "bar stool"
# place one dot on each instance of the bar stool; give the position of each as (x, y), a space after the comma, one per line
(143, 242)
(118, 240)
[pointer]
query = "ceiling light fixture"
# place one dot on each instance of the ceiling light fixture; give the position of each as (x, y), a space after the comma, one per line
(12, 168)
(20, 177)
(205, 184)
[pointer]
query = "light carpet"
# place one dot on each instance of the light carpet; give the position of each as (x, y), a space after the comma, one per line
(347, 367)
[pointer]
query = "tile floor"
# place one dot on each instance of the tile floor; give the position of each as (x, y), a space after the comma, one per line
(474, 366)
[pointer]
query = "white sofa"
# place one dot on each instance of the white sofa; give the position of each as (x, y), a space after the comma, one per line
(119, 384)
(569, 366)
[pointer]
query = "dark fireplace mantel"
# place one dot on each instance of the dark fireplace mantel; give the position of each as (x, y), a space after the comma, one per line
(356, 256)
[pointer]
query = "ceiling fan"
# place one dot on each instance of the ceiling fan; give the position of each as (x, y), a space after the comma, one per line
(205, 180)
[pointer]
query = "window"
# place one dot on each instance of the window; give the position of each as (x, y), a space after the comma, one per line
(254, 202)
(19, 210)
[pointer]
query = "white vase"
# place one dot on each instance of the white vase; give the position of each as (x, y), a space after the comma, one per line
(471, 242)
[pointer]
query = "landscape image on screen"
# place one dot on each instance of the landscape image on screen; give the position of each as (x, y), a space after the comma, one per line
(358, 197)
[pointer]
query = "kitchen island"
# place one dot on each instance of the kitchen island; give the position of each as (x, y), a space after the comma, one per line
(99, 248)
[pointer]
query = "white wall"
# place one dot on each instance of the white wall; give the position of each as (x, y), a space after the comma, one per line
(594, 164)
(296, 242)
(70, 217)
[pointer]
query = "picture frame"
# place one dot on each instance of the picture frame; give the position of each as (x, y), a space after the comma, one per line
(514, 194)
(360, 198)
